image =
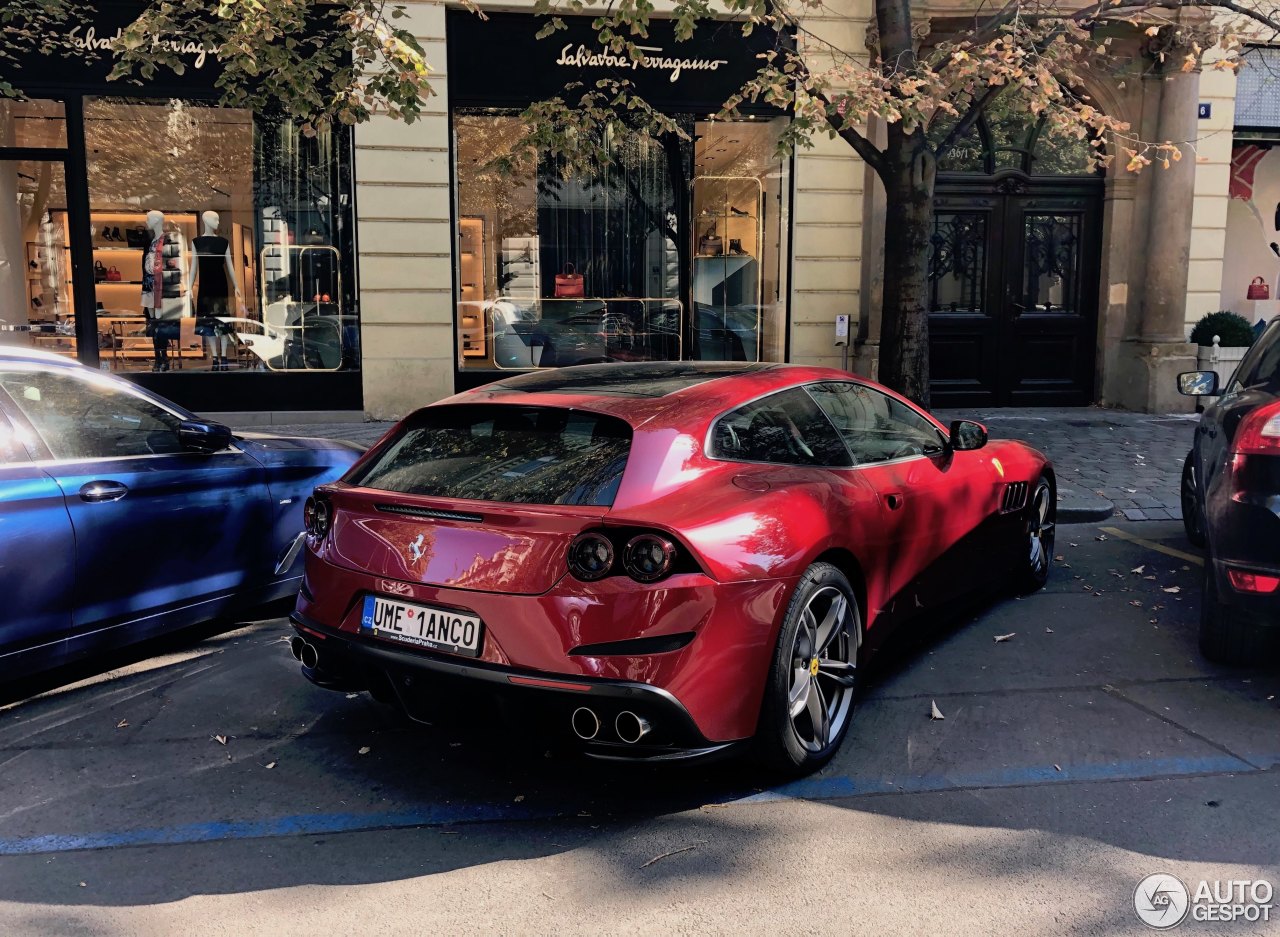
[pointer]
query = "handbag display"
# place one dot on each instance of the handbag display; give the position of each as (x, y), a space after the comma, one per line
(711, 244)
(1259, 289)
(137, 236)
(100, 273)
(113, 275)
(569, 285)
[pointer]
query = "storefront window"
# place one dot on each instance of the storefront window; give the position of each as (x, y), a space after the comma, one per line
(671, 251)
(218, 239)
(36, 303)
(32, 123)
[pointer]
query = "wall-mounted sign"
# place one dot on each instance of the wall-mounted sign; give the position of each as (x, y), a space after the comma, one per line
(696, 75)
(1206, 110)
(842, 326)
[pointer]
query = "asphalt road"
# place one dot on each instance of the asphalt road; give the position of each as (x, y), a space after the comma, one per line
(210, 790)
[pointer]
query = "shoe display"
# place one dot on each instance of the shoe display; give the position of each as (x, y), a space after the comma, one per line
(115, 235)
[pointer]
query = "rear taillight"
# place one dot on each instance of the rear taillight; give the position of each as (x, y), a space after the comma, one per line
(1259, 583)
(648, 557)
(317, 515)
(644, 555)
(590, 556)
(1259, 432)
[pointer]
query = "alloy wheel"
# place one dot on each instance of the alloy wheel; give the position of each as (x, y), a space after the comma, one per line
(1041, 530)
(823, 669)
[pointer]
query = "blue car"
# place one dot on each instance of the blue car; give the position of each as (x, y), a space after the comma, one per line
(123, 515)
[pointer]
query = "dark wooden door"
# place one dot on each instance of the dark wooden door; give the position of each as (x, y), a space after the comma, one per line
(1014, 293)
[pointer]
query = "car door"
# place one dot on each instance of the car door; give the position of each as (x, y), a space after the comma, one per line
(36, 551)
(934, 499)
(157, 528)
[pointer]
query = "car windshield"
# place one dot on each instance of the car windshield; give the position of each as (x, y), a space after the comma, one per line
(494, 452)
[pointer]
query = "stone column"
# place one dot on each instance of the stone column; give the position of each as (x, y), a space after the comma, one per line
(1160, 350)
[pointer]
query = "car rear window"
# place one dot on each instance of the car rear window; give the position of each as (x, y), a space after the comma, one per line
(497, 452)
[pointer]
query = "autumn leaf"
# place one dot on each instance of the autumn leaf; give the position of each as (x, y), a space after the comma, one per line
(122, 724)
(1001, 638)
(364, 750)
(934, 711)
(220, 739)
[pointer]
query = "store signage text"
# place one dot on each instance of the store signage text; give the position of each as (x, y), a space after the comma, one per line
(582, 57)
(90, 41)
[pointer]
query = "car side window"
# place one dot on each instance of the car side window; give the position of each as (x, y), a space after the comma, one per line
(84, 417)
(875, 426)
(1262, 364)
(785, 428)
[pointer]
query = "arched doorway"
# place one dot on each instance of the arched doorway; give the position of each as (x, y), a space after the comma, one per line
(1015, 265)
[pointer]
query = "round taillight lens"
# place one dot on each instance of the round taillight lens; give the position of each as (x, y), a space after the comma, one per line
(648, 557)
(590, 557)
(316, 515)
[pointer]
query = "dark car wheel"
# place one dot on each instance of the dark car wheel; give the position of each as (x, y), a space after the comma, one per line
(1036, 547)
(809, 697)
(1230, 635)
(1192, 513)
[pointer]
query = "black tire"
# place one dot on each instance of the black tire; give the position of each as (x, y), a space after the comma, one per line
(1035, 549)
(782, 742)
(1192, 513)
(1229, 635)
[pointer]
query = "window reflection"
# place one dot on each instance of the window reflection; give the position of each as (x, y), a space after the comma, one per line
(672, 251)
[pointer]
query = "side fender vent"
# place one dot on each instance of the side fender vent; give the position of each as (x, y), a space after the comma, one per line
(1015, 497)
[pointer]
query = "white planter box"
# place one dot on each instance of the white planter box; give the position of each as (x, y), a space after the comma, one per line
(1216, 358)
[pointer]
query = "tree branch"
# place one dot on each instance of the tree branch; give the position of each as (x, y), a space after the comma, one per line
(869, 152)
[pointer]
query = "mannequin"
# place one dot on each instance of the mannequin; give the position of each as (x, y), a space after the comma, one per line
(153, 289)
(211, 265)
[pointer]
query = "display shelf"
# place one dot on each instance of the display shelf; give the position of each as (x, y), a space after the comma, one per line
(473, 340)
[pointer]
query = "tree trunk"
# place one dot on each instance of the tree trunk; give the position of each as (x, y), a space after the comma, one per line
(907, 170)
(904, 328)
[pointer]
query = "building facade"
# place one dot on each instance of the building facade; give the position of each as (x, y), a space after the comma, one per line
(368, 272)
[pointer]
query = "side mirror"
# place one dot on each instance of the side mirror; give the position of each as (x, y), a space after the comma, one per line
(967, 435)
(203, 436)
(1198, 383)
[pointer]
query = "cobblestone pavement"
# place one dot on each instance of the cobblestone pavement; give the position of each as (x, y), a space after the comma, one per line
(1133, 460)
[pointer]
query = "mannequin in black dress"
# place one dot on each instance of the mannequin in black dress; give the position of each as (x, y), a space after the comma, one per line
(212, 270)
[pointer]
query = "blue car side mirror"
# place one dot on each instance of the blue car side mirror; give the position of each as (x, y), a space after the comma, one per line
(203, 436)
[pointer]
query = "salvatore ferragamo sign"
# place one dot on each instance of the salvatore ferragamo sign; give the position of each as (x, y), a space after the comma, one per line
(88, 40)
(654, 58)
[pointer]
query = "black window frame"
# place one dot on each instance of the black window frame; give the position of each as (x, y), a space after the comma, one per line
(943, 438)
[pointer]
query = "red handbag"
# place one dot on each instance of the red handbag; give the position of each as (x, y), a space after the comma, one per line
(113, 275)
(569, 284)
(1259, 289)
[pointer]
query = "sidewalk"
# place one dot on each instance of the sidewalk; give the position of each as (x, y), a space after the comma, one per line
(1109, 462)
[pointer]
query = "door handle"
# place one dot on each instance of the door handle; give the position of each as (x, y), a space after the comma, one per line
(99, 491)
(894, 501)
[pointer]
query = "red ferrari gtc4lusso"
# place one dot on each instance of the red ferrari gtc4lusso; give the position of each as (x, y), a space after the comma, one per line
(661, 559)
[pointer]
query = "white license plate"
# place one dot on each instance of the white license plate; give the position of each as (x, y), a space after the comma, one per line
(439, 629)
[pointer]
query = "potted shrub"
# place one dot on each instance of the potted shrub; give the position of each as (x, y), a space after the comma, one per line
(1223, 337)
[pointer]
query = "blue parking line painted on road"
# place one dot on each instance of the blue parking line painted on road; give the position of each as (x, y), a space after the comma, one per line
(815, 788)
(820, 788)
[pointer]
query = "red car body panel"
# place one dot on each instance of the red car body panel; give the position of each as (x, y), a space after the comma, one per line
(752, 529)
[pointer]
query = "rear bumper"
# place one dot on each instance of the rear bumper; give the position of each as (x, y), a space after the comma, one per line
(430, 686)
(703, 643)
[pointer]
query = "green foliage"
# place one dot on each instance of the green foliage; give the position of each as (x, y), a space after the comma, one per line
(1235, 330)
(321, 62)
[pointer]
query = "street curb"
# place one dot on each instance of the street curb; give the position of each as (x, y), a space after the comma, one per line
(1078, 507)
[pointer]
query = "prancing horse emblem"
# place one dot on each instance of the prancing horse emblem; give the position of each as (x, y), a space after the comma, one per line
(415, 547)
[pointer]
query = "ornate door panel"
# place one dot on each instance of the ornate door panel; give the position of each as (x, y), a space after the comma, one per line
(1013, 291)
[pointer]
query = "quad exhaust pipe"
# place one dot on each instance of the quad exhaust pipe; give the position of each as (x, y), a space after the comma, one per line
(304, 651)
(630, 727)
(585, 722)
